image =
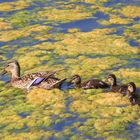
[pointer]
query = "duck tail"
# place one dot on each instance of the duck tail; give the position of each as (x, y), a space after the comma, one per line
(50, 74)
(58, 84)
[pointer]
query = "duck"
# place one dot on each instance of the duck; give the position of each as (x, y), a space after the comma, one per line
(51, 83)
(89, 84)
(115, 87)
(47, 78)
(132, 96)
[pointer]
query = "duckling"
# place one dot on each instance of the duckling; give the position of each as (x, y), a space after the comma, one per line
(133, 97)
(90, 84)
(33, 79)
(114, 87)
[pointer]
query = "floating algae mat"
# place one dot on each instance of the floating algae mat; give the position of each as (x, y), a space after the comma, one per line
(91, 38)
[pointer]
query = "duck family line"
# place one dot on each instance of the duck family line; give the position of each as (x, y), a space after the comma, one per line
(47, 80)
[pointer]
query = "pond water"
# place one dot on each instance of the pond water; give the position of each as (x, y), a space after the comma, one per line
(87, 37)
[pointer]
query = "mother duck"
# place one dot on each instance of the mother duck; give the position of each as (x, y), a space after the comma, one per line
(43, 79)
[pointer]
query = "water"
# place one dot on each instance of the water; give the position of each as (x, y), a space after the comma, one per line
(85, 25)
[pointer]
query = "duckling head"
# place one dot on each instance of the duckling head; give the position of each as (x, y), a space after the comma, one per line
(76, 80)
(13, 68)
(131, 87)
(112, 79)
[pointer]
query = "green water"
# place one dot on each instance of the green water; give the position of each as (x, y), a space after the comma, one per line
(88, 37)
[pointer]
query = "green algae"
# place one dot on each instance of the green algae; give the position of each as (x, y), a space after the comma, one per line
(12, 6)
(5, 25)
(116, 20)
(22, 19)
(90, 114)
(130, 11)
(21, 33)
(104, 113)
(129, 75)
(92, 1)
(67, 15)
(133, 32)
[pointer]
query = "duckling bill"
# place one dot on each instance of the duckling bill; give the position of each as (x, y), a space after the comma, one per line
(90, 84)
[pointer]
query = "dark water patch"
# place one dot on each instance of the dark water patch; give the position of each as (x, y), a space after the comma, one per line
(67, 122)
(134, 43)
(137, 19)
(83, 3)
(119, 32)
(101, 15)
(120, 28)
(3, 44)
(66, 86)
(4, 77)
(2, 104)
(85, 25)
(133, 63)
(3, 1)
(10, 54)
(122, 2)
(132, 126)
(132, 132)
(24, 114)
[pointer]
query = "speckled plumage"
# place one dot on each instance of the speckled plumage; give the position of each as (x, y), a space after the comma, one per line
(51, 83)
(132, 96)
(90, 84)
(32, 79)
(116, 88)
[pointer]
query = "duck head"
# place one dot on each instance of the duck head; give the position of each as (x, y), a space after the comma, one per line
(76, 80)
(131, 87)
(112, 79)
(13, 68)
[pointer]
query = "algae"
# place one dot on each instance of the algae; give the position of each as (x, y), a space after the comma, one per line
(34, 37)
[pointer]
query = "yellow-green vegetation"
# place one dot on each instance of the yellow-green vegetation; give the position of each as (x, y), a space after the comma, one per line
(133, 32)
(131, 11)
(129, 75)
(32, 32)
(104, 112)
(53, 14)
(12, 6)
(21, 33)
(116, 20)
(92, 1)
(5, 25)
(22, 18)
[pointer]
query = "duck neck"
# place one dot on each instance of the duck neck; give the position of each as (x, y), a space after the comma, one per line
(78, 85)
(16, 73)
(114, 83)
